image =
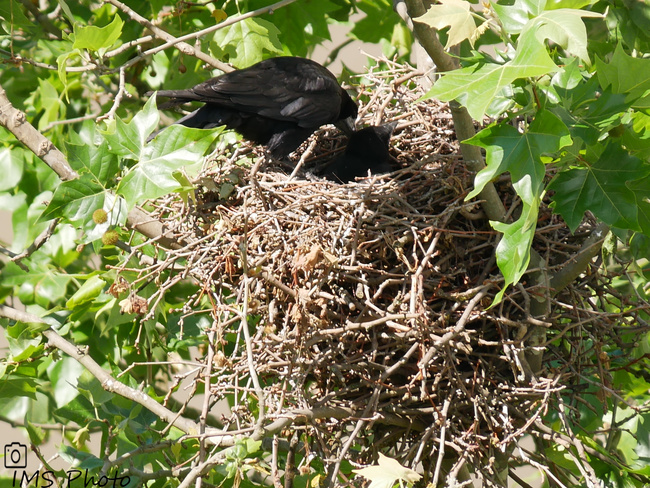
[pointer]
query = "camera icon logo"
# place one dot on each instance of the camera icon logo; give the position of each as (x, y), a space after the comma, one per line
(15, 456)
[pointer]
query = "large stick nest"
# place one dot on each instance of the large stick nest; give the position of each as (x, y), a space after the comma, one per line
(367, 303)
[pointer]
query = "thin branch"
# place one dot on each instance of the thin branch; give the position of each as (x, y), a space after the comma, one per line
(121, 91)
(183, 47)
(18, 59)
(36, 245)
(577, 263)
(580, 461)
(441, 449)
(11, 255)
(74, 120)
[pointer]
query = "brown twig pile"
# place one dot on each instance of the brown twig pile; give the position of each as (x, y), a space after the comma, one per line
(365, 305)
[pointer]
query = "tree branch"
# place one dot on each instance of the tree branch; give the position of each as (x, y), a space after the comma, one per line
(577, 263)
(463, 123)
(182, 46)
(16, 122)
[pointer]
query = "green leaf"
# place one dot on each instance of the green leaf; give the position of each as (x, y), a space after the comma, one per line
(520, 154)
(75, 200)
(66, 10)
(36, 433)
(154, 176)
(82, 461)
(63, 375)
(569, 76)
(49, 101)
(79, 410)
(12, 13)
(476, 86)
(95, 38)
(92, 389)
(128, 139)
(513, 251)
(95, 160)
(252, 445)
(380, 22)
(304, 24)
(515, 17)
(602, 188)
(81, 437)
(15, 385)
(42, 284)
(626, 75)
(641, 190)
(62, 63)
(565, 28)
(11, 167)
(509, 150)
(245, 42)
(577, 4)
(455, 14)
(87, 292)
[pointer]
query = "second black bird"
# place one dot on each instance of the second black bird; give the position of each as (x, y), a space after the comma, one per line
(277, 102)
(367, 150)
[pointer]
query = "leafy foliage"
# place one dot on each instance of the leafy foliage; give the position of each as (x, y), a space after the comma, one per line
(583, 113)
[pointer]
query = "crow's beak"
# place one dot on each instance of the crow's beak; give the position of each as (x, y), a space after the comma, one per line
(346, 125)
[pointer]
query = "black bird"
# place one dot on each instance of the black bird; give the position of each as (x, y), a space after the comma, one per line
(277, 102)
(367, 150)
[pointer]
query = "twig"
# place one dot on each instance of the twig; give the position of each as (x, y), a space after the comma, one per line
(171, 40)
(121, 91)
(36, 245)
(74, 120)
(372, 403)
(442, 420)
(580, 461)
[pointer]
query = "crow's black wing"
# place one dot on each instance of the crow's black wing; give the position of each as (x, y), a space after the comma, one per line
(288, 89)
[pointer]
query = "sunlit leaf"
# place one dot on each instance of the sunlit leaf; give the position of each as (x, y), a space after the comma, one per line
(565, 28)
(386, 473)
(95, 38)
(509, 150)
(455, 14)
(626, 75)
(477, 85)
(246, 42)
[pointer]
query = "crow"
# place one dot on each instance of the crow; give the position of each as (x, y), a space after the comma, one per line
(367, 150)
(277, 102)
